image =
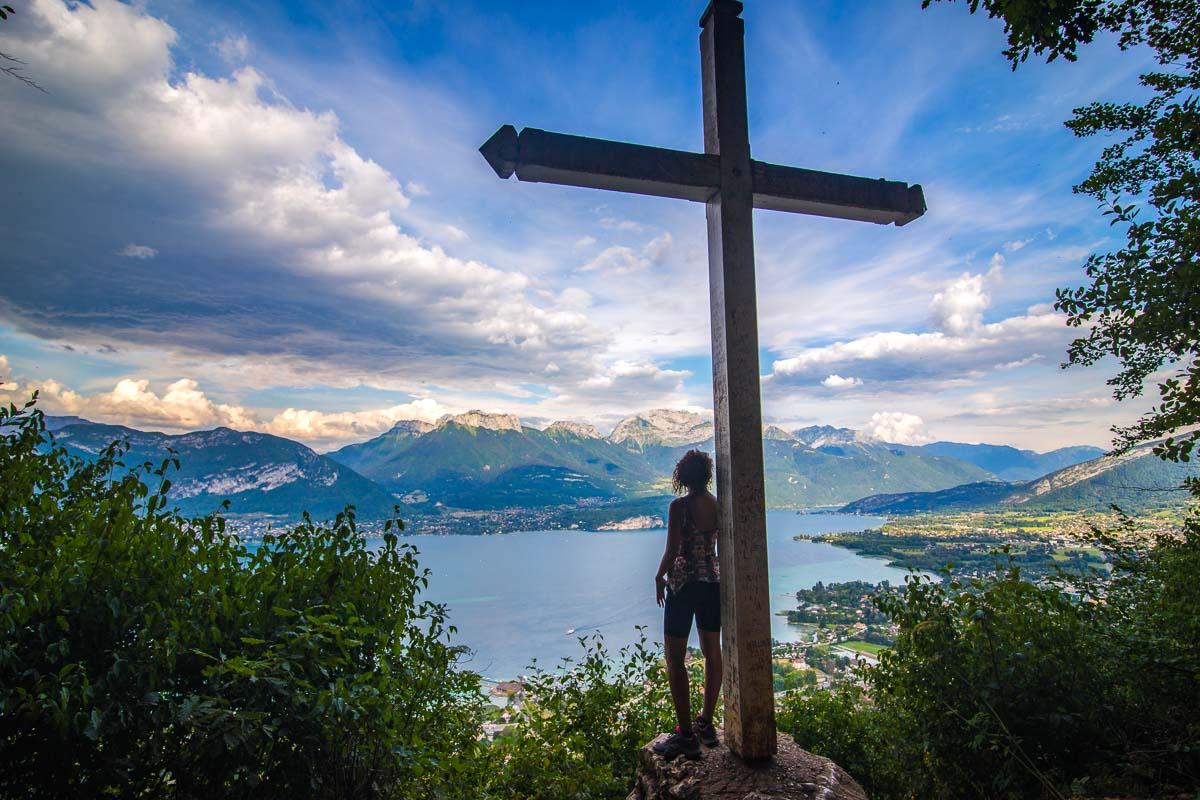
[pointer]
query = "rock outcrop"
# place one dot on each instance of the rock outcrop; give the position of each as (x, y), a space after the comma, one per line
(581, 429)
(482, 419)
(794, 774)
(667, 427)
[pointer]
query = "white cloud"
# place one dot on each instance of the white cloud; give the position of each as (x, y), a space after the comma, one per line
(615, 224)
(318, 428)
(620, 260)
(639, 371)
(6, 385)
(995, 266)
(1016, 244)
(961, 347)
(958, 308)
(574, 298)
(1021, 362)
(584, 242)
(139, 251)
(898, 427)
(277, 181)
(838, 382)
(233, 49)
(183, 406)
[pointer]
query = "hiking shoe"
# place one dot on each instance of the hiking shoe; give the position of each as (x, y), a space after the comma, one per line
(678, 744)
(705, 732)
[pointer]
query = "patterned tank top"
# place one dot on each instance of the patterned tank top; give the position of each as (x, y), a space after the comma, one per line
(699, 550)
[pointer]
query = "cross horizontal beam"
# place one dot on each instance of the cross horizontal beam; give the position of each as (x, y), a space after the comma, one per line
(543, 157)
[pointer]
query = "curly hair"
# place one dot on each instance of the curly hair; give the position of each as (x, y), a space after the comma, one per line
(692, 472)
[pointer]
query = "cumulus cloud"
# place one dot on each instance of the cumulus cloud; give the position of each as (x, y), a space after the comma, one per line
(838, 382)
(184, 406)
(958, 308)
(139, 251)
(6, 382)
(896, 356)
(961, 346)
(312, 258)
(331, 428)
(898, 427)
(620, 260)
(635, 371)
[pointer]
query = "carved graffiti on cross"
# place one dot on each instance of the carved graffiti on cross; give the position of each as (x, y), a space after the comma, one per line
(731, 185)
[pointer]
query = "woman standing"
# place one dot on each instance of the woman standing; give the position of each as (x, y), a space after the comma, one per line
(687, 585)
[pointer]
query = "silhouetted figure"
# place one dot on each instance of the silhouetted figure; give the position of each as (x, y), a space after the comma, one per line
(688, 585)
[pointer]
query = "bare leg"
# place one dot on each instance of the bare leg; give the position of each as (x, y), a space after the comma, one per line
(677, 678)
(710, 645)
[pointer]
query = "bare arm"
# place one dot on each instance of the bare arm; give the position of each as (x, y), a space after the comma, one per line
(674, 536)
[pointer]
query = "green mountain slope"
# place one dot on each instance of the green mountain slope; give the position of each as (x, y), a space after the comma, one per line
(843, 466)
(798, 475)
(1137, 481)
(495, 463)
(258, 473)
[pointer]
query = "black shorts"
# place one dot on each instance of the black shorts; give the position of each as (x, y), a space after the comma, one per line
(698, 599)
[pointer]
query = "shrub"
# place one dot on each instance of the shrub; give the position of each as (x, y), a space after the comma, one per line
(841, 724)
(580, 730)
(1000, 688)
(143, 654)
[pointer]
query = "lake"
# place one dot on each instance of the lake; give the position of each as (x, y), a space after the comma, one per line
(514, 596)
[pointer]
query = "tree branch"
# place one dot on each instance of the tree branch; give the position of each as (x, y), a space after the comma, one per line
(16, 71)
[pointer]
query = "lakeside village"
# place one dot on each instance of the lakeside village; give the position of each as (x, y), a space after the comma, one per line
(588, 514)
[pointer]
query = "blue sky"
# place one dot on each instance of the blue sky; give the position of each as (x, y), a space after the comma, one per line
(274, 216)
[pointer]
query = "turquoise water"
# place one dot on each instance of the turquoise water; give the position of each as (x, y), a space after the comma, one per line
(514, 597)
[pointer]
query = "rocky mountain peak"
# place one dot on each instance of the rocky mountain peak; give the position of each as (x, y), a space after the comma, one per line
(581, 429)
(825, 435)
(482, 419)
(777, 433)
(663, 426)
(411, 427)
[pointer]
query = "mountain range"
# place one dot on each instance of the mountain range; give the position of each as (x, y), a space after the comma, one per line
(479, 462)
(1137, 481)
(258, 473)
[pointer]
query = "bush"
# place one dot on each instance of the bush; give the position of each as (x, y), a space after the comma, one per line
(1000, 688)
(580, 731)
(143, 654)
(841, 724)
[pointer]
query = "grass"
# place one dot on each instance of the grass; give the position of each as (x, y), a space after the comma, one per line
(870, 648)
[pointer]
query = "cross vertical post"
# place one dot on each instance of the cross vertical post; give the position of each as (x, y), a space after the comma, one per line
(745, 596)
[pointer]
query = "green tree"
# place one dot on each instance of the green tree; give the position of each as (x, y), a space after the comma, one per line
(1142, 304)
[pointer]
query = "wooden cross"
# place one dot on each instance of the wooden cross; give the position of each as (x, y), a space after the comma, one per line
(731, 185)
